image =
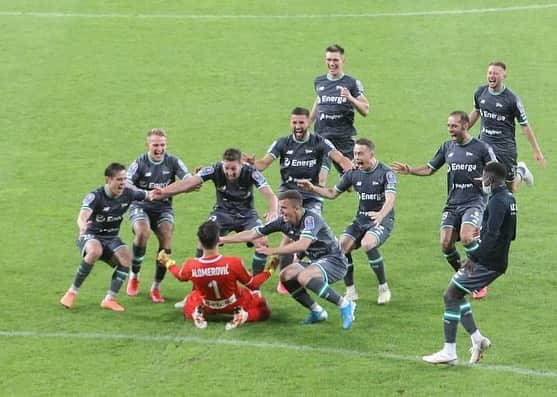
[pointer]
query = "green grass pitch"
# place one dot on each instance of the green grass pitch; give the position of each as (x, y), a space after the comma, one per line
(82, 82)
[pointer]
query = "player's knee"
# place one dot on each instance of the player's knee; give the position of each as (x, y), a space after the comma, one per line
(447, 246)
(452, 295)
(141, 235)
(467, 237)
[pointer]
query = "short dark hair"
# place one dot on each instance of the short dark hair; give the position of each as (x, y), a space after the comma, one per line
(113, 169)
(208, 234)
(335, 48)
(232, 154)
(462, 115)
(366, 142)
(498, 63)
(497, 171)
(293, 195)
(300, 111)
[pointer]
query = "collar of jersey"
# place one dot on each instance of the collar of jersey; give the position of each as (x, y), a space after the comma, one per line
(333, 79)
(467, 142)
(210, 259)
(497, 93)
(155, 162)
(304, 141)
(109, 193)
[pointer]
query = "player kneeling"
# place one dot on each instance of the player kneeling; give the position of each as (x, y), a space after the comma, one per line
(221, 284)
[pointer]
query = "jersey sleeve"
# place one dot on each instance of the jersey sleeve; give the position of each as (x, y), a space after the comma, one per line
(489, 154)
(181, 170)
(138, 194)
(357, 89)
(327, 147)
(132, 174)
(89, 202)
(438, 160)
(258, 179)
(240, 271)
(477, 99)
(269, 227)
(390, 182)
(207, 173)
(312, 225)
(182, 273)
(344, 183)
(275, 149)
(520, 112)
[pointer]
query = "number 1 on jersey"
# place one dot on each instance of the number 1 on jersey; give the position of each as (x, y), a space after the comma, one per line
(215, 286)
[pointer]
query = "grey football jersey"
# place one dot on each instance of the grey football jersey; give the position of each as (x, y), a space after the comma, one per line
(300, 160)
(236, 196)
(311, 226)
(498, 113)
(465, 164)
(371, 186)
(334, 118)
(107, 211)
(146, 174)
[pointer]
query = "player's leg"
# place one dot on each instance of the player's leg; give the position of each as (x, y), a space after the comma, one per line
(164, 230)
(318, 276)
(91, 251)
(453, 298)
(141, 229)
(284, 260)
(372, 240)
(288, 277)
(122, 258)
(448, 234)
(469, 235)
(258, 260)
(346, 242)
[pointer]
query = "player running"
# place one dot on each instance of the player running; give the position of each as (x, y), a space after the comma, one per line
(465, 157)
(338, 96)
(484, 266)
(154, 169)
(375, 184)
(498, 107)
(99, 221)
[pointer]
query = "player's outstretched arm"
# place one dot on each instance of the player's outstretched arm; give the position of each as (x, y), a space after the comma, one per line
(182, 186)
(296, 246)
(538, 155)
(405, 169)
(343, 161)
(242, 237)
(264, 163)
(326, 192)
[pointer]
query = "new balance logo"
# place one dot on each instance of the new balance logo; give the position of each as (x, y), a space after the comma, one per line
(359, 183)
(374, 183)
(166, 172)
(498, 105)
(451, 154)
(321, 88)
(147, 174)
(482, 101)
(469, 154)
(290, 152)
(106, 209)
(309, 151)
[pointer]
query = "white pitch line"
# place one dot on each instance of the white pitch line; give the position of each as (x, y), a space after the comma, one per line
(265, 345)
(294, 16)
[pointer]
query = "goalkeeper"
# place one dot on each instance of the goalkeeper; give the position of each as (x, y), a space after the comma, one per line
(221, 284)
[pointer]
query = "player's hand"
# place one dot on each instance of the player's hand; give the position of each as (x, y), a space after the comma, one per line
(305, 184)
(271, 216)
(165, 259)
(469, 266)
(376, 216)
(197, 169)
(264, 250)
(248, 158)
(345, 93)
(538, 157)
(156, 194)
(272, 264)
(401, 168)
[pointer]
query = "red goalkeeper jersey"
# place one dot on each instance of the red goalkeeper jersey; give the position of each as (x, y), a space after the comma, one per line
(216, 278)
